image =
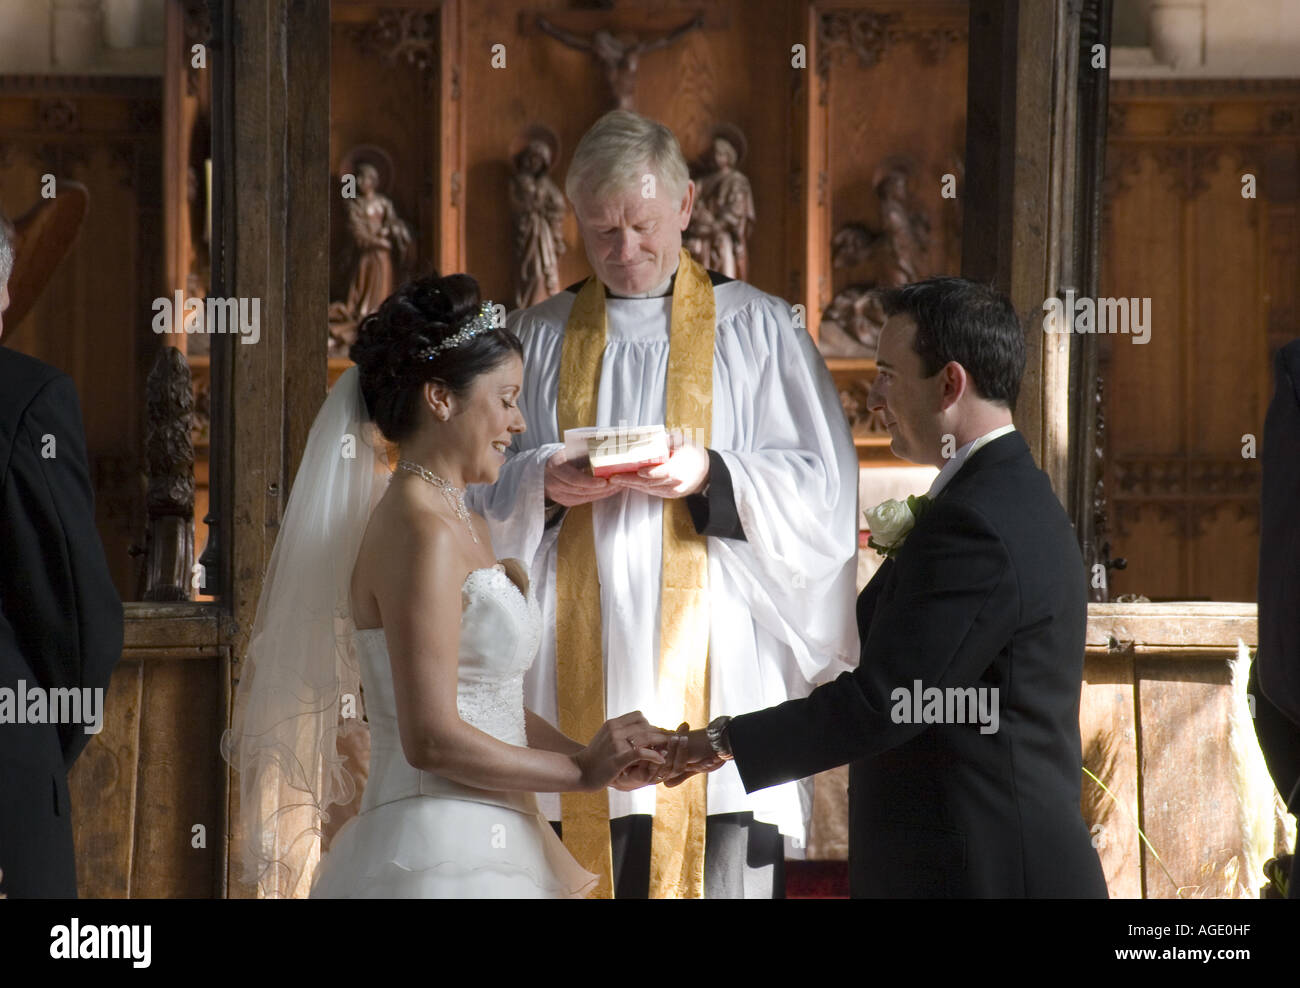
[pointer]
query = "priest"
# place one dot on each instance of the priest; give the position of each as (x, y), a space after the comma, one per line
(720, 580)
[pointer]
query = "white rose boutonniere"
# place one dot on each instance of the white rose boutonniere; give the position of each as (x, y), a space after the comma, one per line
(889, 522)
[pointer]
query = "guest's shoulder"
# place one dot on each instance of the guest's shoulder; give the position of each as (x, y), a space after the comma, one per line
(22, 378)
(16, 367)
(1288, 360)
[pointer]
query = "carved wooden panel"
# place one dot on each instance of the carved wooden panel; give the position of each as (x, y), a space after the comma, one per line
(383, 92)
(1108, 732)
(154, 773)
(179, 846)
(735, 69)
(888, 98)
(1188, 792)
(893, 79)
(91, 321)
(1160, 717)
(1200, 217)
(103, 790)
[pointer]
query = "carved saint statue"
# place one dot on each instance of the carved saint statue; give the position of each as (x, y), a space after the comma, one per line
(379, 236)
(895, 255)
(537, 209)
(851, 324)
(853, 244)
(906, 233)
(618, 54)
(718, 233)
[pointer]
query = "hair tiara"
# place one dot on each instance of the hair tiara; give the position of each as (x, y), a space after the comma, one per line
(482, 321)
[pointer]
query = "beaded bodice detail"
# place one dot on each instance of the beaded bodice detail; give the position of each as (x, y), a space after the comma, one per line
(500, 631)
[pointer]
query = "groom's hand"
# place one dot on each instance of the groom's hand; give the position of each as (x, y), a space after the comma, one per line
(637, 776)
(692, 755)
(646, 772)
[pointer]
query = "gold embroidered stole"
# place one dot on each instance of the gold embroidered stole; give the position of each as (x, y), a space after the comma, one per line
(677, 836)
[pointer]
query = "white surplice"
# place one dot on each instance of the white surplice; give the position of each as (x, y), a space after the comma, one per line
(781, 603)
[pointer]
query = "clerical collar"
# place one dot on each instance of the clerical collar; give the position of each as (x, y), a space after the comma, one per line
(658, 291)
(952, 466)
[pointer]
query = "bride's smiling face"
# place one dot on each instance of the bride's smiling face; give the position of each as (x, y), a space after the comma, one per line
(484, 421)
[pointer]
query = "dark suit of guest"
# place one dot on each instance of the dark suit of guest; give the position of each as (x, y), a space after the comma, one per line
(60, 616)
(988, 590)
(1275, 674)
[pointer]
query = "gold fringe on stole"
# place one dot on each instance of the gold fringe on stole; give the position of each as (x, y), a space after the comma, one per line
(677, 835)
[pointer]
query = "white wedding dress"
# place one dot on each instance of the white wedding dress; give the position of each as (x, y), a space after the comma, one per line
(420, 835)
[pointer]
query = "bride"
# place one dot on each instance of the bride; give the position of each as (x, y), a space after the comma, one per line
(397, 591)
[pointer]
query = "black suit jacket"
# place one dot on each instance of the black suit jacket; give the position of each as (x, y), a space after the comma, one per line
(60, 616)
(988, 591)
(1278, 657)
(1275, 674)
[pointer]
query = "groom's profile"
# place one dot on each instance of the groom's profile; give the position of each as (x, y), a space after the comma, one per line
(984, 599)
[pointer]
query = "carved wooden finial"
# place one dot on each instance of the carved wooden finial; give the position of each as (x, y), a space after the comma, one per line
(169, 452)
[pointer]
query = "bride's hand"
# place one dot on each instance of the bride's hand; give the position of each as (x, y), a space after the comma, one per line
(638, 775)
(646, 773)
(618, 744)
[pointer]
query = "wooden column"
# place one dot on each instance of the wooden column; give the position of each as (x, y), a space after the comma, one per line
(451, 178)
(1018, 110)
(810, 123)
(272, 116)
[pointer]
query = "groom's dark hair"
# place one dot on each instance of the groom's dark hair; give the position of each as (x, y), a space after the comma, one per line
(973, 324)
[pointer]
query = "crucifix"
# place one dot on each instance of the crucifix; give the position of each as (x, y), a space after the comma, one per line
(619, 54)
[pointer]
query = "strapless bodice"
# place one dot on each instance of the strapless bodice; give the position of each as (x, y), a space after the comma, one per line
(499, 634)
(456, 841)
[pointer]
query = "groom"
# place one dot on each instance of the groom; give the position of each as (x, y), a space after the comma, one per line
(961, 720)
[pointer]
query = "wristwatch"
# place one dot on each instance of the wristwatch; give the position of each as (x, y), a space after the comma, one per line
(716, 732)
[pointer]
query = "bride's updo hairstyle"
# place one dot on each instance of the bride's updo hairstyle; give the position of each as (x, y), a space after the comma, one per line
(391, 351)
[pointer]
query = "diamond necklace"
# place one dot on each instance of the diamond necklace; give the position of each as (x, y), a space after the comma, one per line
(455, 496)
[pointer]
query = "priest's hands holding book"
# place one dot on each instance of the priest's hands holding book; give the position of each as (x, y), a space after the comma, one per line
(685, 473)
(569, 481)
(676, 470)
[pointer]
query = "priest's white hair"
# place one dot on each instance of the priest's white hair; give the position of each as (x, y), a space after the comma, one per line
(618, 151)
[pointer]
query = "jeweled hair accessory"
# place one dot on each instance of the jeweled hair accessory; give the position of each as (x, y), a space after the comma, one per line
(483, 321)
